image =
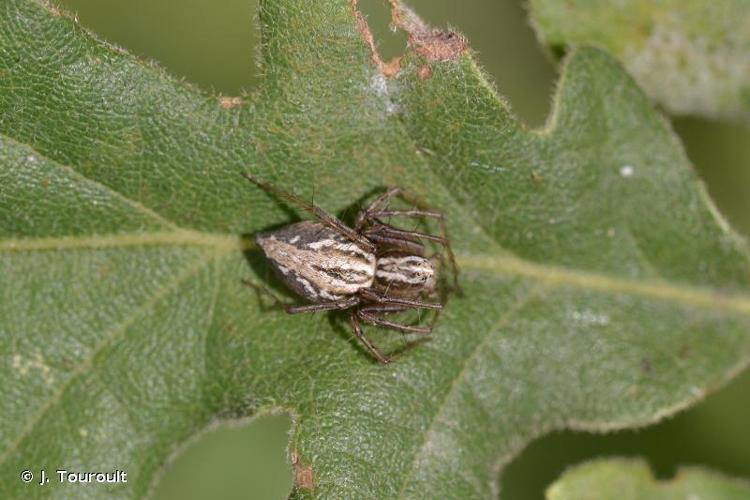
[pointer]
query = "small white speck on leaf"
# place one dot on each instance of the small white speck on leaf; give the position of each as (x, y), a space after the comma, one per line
(31, 159)
(25, 366)
(17, 364)
(627, 171)
(588, 317)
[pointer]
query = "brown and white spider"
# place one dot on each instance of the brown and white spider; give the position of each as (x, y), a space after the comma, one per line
(374, 269)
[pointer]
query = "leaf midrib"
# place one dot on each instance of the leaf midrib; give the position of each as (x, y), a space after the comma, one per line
(504, 265)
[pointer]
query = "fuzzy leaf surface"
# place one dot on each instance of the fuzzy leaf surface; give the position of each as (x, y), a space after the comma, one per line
(601, 288)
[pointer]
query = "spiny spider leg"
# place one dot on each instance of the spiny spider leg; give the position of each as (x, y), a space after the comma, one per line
(405, 213)
(373, 320)
(375, 209)
(390, 231)
(408, 246)
(372, 296)
(385, 309)
(389, 309)
(376, 205)
(326, 306)
(421, 209)
(361, 336)
(389, 236)
(261, 289)
(326, 218)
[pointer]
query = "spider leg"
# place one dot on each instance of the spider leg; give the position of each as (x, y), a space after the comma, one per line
(375, 206)
(405, 213)
(402, 244)
(377, 310)
(385, 308)
(262, 290)
(375, 297)
(374, 320)
(326, 306)
(362, 338)
(326, 218)
(403, 239)
(390, 231)
(374, 211)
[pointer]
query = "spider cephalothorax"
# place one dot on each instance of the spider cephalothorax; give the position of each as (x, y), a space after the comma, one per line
(374, 268)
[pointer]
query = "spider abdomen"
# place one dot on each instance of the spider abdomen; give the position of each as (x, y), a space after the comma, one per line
(317, 262)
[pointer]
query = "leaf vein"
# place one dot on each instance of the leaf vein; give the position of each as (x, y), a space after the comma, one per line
(439, 414)
(558, 277)
(86, 364)
(186, 237)
(136, 205)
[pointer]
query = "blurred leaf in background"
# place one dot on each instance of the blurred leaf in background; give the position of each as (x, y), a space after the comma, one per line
(220, 58)
(632, 480)
(691, 56)
(209, 43)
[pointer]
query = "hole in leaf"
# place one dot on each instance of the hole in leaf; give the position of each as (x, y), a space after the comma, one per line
(719, 151)
(209, 43)
(499, 34)
(390, 43)
(233, 463)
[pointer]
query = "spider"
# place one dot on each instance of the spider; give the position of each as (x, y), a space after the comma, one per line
(373, 268)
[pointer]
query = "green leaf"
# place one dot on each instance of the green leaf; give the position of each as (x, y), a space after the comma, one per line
(625, 479)
(690, 56)
(601, 288)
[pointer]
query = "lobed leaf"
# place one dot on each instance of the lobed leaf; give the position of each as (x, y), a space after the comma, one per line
(601, 288)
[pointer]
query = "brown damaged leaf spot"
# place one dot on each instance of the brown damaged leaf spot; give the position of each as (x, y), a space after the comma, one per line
(434, 45)
(424, 72)
(392, 67)
(438, 46)
(303, 475)
(52, 9)
(230, 102)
